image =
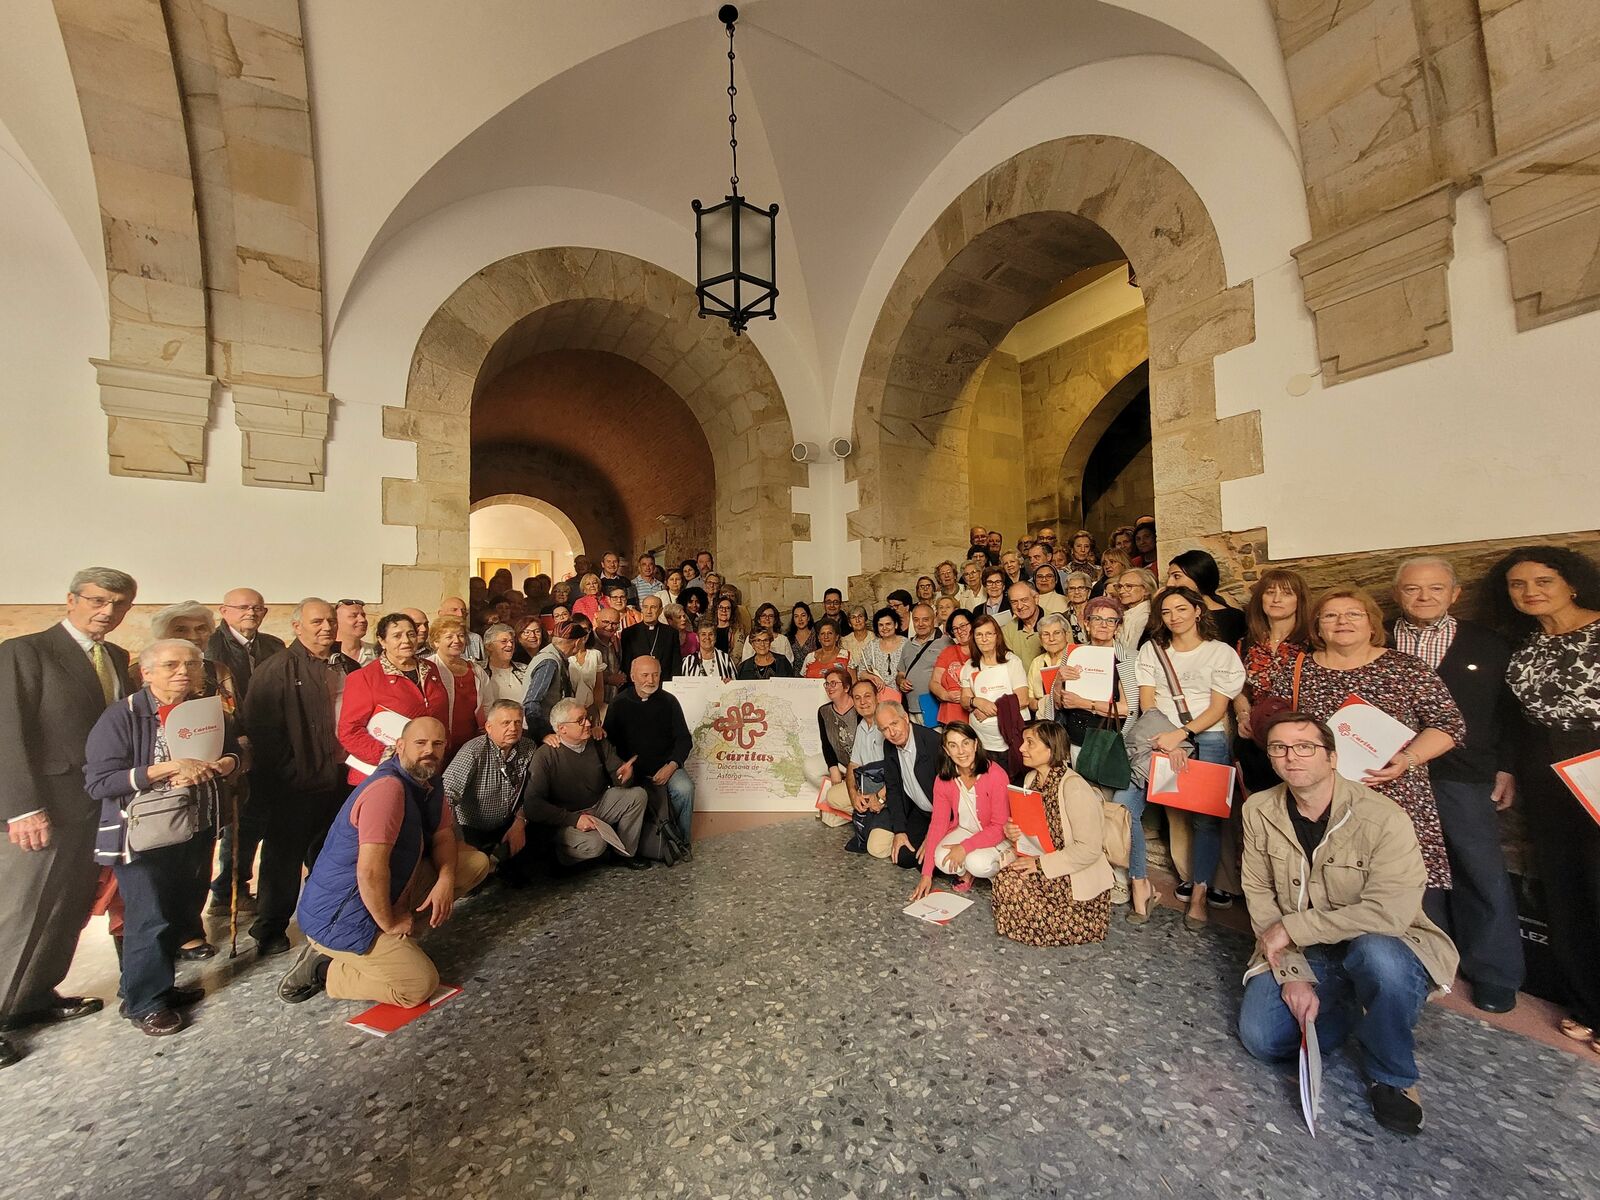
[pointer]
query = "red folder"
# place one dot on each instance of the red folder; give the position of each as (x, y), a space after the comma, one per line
(1201, 787)
(1027, 811)
(1582, 777)
(1047, 678)
(383, 1019)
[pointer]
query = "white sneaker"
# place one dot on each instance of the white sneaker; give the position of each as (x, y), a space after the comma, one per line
(1119, 886)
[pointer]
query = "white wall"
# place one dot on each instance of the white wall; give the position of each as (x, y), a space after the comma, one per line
(180, 540)
(515, 531)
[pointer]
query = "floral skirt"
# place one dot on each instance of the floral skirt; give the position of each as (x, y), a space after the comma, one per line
(1037, 911)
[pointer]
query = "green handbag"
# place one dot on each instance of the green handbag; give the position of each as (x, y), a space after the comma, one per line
(1103, 758)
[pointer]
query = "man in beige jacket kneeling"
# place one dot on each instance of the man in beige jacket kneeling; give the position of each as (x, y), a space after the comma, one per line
(1334, 879)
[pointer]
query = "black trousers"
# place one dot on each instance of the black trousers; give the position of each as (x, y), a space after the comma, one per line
(293, 828)
(1479, 909)
(45, 896)
(1566, 851)
(156, 887)
(917, 823)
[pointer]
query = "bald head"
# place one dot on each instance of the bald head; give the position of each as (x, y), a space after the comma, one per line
(243, 610)
(453, 606)
(421, 748)
(420, 620)
(315, 626)
(645, 672)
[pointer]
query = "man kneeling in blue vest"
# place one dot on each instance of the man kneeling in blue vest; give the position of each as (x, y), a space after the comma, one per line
(358, 907)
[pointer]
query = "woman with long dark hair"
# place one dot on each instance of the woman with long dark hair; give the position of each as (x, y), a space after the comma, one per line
(1198, 570)
(1548, 598)
(971, 805)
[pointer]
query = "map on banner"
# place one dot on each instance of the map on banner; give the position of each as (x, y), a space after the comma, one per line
(757, 744)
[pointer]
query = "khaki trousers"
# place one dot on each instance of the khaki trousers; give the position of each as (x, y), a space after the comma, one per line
(838, 813)
(396, 970)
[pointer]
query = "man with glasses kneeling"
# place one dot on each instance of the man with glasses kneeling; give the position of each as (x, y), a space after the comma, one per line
(1333, 877)
(576, 785)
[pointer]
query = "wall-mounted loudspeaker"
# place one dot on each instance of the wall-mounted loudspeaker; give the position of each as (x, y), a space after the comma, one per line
(841, 447)
(804, 452)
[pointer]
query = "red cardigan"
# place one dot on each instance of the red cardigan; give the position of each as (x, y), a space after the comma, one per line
(994, 810)
(372, 688)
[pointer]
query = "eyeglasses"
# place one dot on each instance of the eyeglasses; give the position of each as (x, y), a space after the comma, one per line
(1349, 618)
(581, 721)
(1301, 749)
(259, 609)
(1099, 620)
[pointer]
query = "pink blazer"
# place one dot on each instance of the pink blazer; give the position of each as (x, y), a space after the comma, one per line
(994, 810)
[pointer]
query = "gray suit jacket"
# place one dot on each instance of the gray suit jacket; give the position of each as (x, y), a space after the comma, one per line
(50, 699)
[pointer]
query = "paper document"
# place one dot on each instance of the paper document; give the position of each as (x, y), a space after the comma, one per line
(1366, 737)
(193, 729)
(1582, 777)
(1027, 812)
(609, 836)
(1099, 666)
(386, 726)
(938, 908)
(383, 1019)
(1310, 1076)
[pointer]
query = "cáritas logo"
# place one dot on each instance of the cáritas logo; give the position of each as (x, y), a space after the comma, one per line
(743, 724)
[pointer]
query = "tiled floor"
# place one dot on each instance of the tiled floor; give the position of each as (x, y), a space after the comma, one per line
(763, 1021)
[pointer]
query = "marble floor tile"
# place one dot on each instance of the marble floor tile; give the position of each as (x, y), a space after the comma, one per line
(763, 1021)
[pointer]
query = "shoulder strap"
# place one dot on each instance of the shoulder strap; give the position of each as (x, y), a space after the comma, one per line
(1294, 691)
(1173, 685)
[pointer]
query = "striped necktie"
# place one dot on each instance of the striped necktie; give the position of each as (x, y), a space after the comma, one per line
(102, 668)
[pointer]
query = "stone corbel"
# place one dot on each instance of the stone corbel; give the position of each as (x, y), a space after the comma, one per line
(1378, 291)
(1544, 204)
(285, 435)
(157, 420)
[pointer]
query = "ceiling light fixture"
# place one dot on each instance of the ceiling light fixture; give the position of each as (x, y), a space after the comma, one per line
(736, 244)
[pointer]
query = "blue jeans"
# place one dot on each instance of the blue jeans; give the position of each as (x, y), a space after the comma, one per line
(1373, 984)
(158, 890)
(680, 791)
(1212, 747)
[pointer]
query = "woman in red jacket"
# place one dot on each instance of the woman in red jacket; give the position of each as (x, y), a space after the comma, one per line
(397, 681)
(966, 835)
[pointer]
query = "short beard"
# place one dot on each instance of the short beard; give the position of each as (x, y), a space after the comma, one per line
(422, 772)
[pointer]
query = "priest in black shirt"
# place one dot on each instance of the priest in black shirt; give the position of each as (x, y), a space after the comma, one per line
(646, 724)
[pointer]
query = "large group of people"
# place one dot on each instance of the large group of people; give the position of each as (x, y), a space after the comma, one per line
(525, 729)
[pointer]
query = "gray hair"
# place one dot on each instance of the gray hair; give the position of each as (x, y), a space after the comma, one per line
(161, 646)
(1087, 582)
(1022, 583)
(495, 631)
(893, 708)
(1146, 578)
(670, 611)
(109, 578)
(161, 622)
(502, 704)
(1053, 621)
(564, 710)
(858, 610)
(298, 610)
(1425, 560)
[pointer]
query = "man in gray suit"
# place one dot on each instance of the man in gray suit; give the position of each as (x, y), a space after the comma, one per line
(53, 687)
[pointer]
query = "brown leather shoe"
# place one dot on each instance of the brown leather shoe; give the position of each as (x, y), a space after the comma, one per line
(164, 1022)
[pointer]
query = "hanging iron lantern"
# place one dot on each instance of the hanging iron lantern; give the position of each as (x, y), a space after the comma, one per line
(736, 250)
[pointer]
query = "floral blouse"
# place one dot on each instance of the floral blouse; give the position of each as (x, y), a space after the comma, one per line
(1556, 677)
(1261, 660)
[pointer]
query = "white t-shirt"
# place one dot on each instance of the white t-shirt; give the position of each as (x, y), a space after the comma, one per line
(1210, 667)
(990, 683)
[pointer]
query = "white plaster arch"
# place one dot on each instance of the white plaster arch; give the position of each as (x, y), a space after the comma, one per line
(544, 508)
(403, 285)
(1172, 106)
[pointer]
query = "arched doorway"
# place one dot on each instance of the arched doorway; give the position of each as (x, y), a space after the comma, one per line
(1106, 469)
(996, 250)
(572, 299)
(525, 535)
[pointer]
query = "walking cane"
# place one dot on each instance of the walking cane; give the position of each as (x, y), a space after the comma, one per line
(233, 872)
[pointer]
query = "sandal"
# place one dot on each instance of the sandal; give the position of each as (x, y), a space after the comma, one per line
(1577, 1030)
(963, 885)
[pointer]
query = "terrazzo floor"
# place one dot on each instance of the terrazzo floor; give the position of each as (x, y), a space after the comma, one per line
(763, 1021)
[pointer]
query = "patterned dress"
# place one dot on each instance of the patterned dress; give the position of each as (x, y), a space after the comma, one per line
(1412, 693)
(1038, 911)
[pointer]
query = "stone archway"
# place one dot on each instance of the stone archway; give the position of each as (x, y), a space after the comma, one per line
(999, 247)
(573, 298)
(1075, 458)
